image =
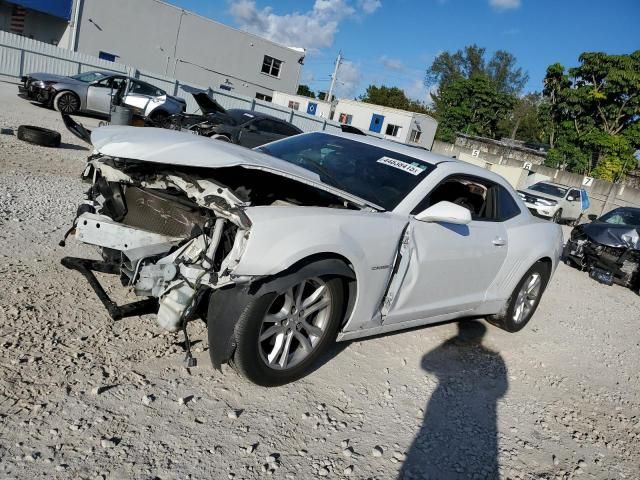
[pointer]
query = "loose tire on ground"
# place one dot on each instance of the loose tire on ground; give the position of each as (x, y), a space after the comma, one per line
(66, 102)
(249, 359)
(39, 136)
(506, 320)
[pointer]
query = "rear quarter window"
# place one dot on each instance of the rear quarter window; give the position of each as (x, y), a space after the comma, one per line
(507, 206)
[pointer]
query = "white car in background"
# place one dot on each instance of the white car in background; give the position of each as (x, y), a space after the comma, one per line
(317, 237)
(555, 201)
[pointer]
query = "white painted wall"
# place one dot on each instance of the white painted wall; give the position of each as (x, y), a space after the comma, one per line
(407, 121)
(323, 109)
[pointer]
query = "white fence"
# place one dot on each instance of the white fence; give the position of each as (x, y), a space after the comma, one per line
(20, 56)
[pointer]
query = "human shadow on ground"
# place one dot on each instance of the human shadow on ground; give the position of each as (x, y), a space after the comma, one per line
(459, 437)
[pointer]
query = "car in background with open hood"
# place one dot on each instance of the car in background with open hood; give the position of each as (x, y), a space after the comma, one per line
(242, 127)
(608, 248)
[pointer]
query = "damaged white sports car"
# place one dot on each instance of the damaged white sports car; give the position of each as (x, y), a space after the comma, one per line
(284, 249)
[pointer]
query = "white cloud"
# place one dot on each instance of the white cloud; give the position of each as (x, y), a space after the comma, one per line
(369, 6)
(505, 4)
(314, 29)
(392, 64)
(349, 79)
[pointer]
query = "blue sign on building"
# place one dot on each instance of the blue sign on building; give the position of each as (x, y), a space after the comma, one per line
(55, 8)
(312, 108)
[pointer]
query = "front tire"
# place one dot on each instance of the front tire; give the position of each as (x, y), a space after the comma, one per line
(280, 336)
(66, 102)
(524, 299)
(557, 217)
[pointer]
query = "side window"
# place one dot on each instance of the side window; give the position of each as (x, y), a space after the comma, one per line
(487, 201)
(285, 129)
(142, 88)
(574, 193)
(266, 125)
(507, 207)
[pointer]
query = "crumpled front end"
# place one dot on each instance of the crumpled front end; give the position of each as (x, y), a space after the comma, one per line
(610, 257)
(170, 235)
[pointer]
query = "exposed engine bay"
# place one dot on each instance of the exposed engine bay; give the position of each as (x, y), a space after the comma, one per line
(174, 234)
(610, 255)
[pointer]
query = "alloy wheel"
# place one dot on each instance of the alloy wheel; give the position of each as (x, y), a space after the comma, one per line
(68, 103)
(294, 324)
(527, 297)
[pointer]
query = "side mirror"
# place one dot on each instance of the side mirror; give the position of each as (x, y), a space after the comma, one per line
(592, 217)
(572, 199)
(445, 212)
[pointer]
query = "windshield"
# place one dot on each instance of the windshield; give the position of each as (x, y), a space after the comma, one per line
(622, 216)
(549, 189)
(89, 77)
(378, 175)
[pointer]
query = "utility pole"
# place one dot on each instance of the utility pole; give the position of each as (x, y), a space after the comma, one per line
(334, 76)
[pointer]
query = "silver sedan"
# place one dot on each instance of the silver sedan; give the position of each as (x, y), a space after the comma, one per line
(92, 92)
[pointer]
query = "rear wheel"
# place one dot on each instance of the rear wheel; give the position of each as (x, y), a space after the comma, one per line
(524, 300)
(66, 102)
(280, 336)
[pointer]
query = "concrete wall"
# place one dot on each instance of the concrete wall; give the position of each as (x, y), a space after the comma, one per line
(38, 26)
(323, 109)
(161, 38)
(499, 150)
(407, 121)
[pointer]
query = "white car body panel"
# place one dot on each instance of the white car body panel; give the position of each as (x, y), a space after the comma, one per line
(442, 270)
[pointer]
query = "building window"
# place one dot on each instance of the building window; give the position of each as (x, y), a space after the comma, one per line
(271, 66)
(346, 118)
(415, 136)
(393, 130)
(294, 105)
(262, 96)
(109, 57)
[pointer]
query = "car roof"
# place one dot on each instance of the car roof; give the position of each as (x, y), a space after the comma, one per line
(556, 184)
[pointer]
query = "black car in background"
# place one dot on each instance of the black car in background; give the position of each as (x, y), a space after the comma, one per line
(608, 248)
(242, 127)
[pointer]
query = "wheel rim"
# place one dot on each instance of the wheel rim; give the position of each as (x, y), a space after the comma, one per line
(67, 103)
(527, 297)
(294, 324)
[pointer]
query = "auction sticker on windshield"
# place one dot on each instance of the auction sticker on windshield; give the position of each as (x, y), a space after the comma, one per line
(412, 168)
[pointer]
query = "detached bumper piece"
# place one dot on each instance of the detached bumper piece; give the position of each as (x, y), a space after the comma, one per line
(116, 312)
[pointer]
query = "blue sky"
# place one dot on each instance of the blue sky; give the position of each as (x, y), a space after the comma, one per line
(392, 42)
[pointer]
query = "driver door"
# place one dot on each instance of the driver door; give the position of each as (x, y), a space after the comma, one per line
(447, 268)
(99, 94)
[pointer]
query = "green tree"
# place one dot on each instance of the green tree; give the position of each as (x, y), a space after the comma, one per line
(523, 123)
(595, 108)
(392, 97)
(472, 106)
(305, 91)
(501, 69)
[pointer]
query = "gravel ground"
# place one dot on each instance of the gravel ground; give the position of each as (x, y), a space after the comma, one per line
(82, 396)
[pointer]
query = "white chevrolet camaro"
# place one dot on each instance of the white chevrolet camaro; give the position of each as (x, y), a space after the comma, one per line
(319, 237)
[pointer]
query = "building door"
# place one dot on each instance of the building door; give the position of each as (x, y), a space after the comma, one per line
(376, 123)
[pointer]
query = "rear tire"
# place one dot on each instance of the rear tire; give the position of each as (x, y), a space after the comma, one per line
(260, 352)
(39, 136)
(66, 102)
(522, 303)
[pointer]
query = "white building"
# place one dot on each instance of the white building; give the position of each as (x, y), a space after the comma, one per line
(391, 123)
(312, 106)
(161, 38)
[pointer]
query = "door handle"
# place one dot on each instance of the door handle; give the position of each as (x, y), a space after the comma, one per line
(499, 242)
